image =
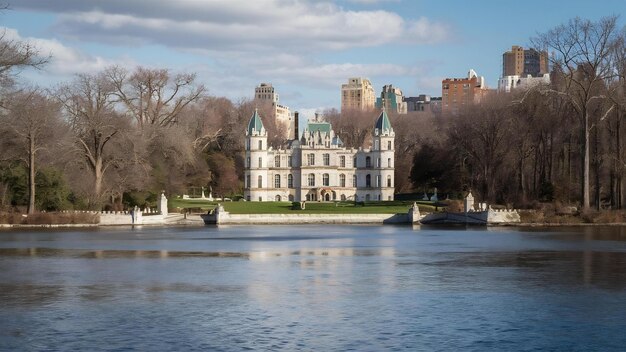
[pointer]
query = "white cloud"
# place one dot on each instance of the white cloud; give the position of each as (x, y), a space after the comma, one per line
(253, 26)
(64, 60)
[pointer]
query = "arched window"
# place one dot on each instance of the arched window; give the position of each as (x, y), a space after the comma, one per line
(368, 180)
(388, 180)
(277, 161)
(276, 181)
(311, 180)
(290, 181)
(367, 197)
(260, 144)
(291, 197)
(353, 180)
(343, 197)
(277, 198)
(260, 162)
(326, 180)
(326, 159)
(260, 182)
(342, 161)
(368, 162)
(388, 162)
(342, 180)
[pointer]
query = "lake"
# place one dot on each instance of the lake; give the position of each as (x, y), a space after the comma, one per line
(313, 288)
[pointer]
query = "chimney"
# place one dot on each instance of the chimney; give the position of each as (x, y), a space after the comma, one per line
(296, 134)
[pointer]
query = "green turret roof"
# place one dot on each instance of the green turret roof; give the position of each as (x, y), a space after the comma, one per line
(383, 124)
(255, 123)
(323, 127)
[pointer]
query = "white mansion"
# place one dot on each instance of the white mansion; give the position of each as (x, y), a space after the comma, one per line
(317, 167)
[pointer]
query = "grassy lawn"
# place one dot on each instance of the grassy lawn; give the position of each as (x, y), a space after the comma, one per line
(311, 207)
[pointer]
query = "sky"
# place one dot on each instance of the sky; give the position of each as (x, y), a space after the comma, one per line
(305, 48)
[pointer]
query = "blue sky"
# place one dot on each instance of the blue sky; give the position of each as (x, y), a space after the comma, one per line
(306, 49)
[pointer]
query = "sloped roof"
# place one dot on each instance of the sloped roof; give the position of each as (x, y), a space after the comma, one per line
(383, 124)
(255, 123)
(323, 127)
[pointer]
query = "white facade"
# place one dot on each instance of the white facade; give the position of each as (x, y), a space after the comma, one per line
(317, 167)
(508, 83)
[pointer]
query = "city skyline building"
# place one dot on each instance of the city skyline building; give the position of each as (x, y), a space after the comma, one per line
(523, 62)
(392, 99)
(459, 93)
(266, 94)
(357, 94)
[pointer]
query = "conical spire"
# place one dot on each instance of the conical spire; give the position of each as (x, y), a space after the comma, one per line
(383, 125)
(255, 124)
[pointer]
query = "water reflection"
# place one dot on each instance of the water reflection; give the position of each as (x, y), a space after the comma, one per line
(333, 288)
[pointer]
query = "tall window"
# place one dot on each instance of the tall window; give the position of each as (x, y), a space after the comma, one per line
(342, 180)
(326, 159)
(248, 162)
(388, 180)
(353, 180)
(311, 180)
(368, 162)
(388, 162)
(368, 180)
(247, 144)
(377, 180)
(325, 180)
(260, 145)
(389, 145)
(248, 185)
(354, 161)
(378, 162)
(277, 161)
(376, 145)
(276, 181)
(290, 161)
(342, 161)
(290, 181)
(260, 162)
(260, 182)
(311, 159)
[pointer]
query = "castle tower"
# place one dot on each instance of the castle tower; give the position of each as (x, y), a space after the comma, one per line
(383, 150)
(257, 163)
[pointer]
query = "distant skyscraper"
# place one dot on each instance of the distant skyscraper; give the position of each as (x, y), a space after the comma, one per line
(521, 62)
(393, 99)
(357, 94)
(266, 94)
(458, 93)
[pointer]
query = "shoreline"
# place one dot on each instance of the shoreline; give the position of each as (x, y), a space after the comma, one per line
(197, 223)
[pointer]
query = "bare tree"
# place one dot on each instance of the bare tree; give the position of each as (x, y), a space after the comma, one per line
(30, 127)
(88, 102)
(581, 54)
(154, 96)
(15, 55)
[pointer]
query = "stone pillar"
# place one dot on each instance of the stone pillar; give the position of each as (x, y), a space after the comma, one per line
(162, 204)
(220, 214)
(468, 204)
(414, 213)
